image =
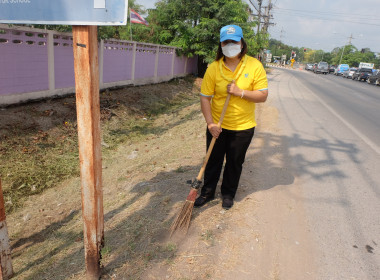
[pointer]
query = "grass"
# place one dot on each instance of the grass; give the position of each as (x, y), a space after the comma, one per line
(34, 162)
(208, 237)
(34, 159)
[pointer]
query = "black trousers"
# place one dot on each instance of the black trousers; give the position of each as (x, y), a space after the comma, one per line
(233, 145)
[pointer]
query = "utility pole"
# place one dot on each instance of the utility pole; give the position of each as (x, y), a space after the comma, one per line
(262, 29)
(282, 31)
(259, 16)
(268, 17)
(349, 43)
(258, 9)
(349, 39)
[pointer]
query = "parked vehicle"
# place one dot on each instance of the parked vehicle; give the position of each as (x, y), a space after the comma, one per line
(362, 74)
(341, 68)
(348, 74)
(332, 68)
(322, 67)
(309, 66)
(374, 79)
(366, 65)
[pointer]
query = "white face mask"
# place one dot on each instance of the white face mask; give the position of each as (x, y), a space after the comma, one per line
(231, 50)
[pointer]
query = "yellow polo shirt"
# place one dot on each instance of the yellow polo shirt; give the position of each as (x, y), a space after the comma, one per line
(240, 114)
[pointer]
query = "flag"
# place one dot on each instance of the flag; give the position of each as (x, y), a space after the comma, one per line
(136, 18)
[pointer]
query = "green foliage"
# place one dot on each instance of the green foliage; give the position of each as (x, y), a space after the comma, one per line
(353, 57)
(124, 32)
(278, 48)
(194, 26)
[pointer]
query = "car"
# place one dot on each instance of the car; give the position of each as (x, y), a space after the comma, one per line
(348, 74)
(309, 66)
(341, 68)
(374, 79)
(345, 73)
(362, 74)
(332, 68)
(322, 67)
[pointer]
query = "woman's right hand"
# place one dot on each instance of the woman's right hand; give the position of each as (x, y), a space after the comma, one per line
(214, 129)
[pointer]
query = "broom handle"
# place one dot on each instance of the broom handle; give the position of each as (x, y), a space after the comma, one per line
(200, 174)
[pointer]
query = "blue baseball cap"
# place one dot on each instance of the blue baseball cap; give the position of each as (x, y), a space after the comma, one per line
(231, 32)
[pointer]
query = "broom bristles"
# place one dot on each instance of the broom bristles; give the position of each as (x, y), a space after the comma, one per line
(182, 222)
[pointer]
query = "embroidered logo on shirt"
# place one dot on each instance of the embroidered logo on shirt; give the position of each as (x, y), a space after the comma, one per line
(246, 75)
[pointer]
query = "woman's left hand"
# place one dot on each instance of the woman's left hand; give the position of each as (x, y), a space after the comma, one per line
(233, 89)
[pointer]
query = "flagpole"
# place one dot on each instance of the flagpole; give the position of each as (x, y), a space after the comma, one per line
(130, 23)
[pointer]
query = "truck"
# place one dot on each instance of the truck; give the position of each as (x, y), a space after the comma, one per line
(366, 65)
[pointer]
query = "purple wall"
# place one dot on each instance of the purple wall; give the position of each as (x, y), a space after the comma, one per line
(179, 65)
(165, 58)
(63, 61)
(23, 62)
(117, 61)
(145, 61)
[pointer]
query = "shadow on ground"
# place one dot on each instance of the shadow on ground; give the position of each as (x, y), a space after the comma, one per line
(137, 228)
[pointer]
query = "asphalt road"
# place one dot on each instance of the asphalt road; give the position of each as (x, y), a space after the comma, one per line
(331, 128)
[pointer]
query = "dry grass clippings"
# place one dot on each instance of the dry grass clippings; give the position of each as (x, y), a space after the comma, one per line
(39, 151)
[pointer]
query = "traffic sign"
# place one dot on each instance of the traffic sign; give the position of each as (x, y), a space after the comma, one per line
(67, 12)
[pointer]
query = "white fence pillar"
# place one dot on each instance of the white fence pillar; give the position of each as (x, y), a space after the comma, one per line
(51, 71)
(173, 60)
(156, 64)
(133, 61)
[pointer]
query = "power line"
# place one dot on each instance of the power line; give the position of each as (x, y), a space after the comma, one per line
(329, 19)
(375, 17)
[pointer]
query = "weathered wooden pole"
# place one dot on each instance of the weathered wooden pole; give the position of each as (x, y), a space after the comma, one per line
(85, 46)
(6, 269)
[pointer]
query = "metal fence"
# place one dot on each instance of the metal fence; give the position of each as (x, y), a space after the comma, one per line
(37, 63)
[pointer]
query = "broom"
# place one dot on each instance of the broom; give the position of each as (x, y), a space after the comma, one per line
(182, 222)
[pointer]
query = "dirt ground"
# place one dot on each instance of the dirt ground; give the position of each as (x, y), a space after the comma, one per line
(264, 235)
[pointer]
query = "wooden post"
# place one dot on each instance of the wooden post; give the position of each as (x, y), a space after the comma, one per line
(6, 269)
(88, 116)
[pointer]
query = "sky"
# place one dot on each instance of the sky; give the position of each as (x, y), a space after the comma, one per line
(322, 24)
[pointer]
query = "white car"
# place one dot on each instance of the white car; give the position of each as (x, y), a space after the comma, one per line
(309, 66)
(348, 74)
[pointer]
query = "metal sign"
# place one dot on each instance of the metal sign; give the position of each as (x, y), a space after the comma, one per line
(67, 12)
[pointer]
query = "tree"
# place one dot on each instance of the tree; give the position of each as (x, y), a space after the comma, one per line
(278, 48)
(346, 50)
(123, 32)
(194, 25)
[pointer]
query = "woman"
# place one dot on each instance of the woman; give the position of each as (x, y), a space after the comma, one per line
(233, 72)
